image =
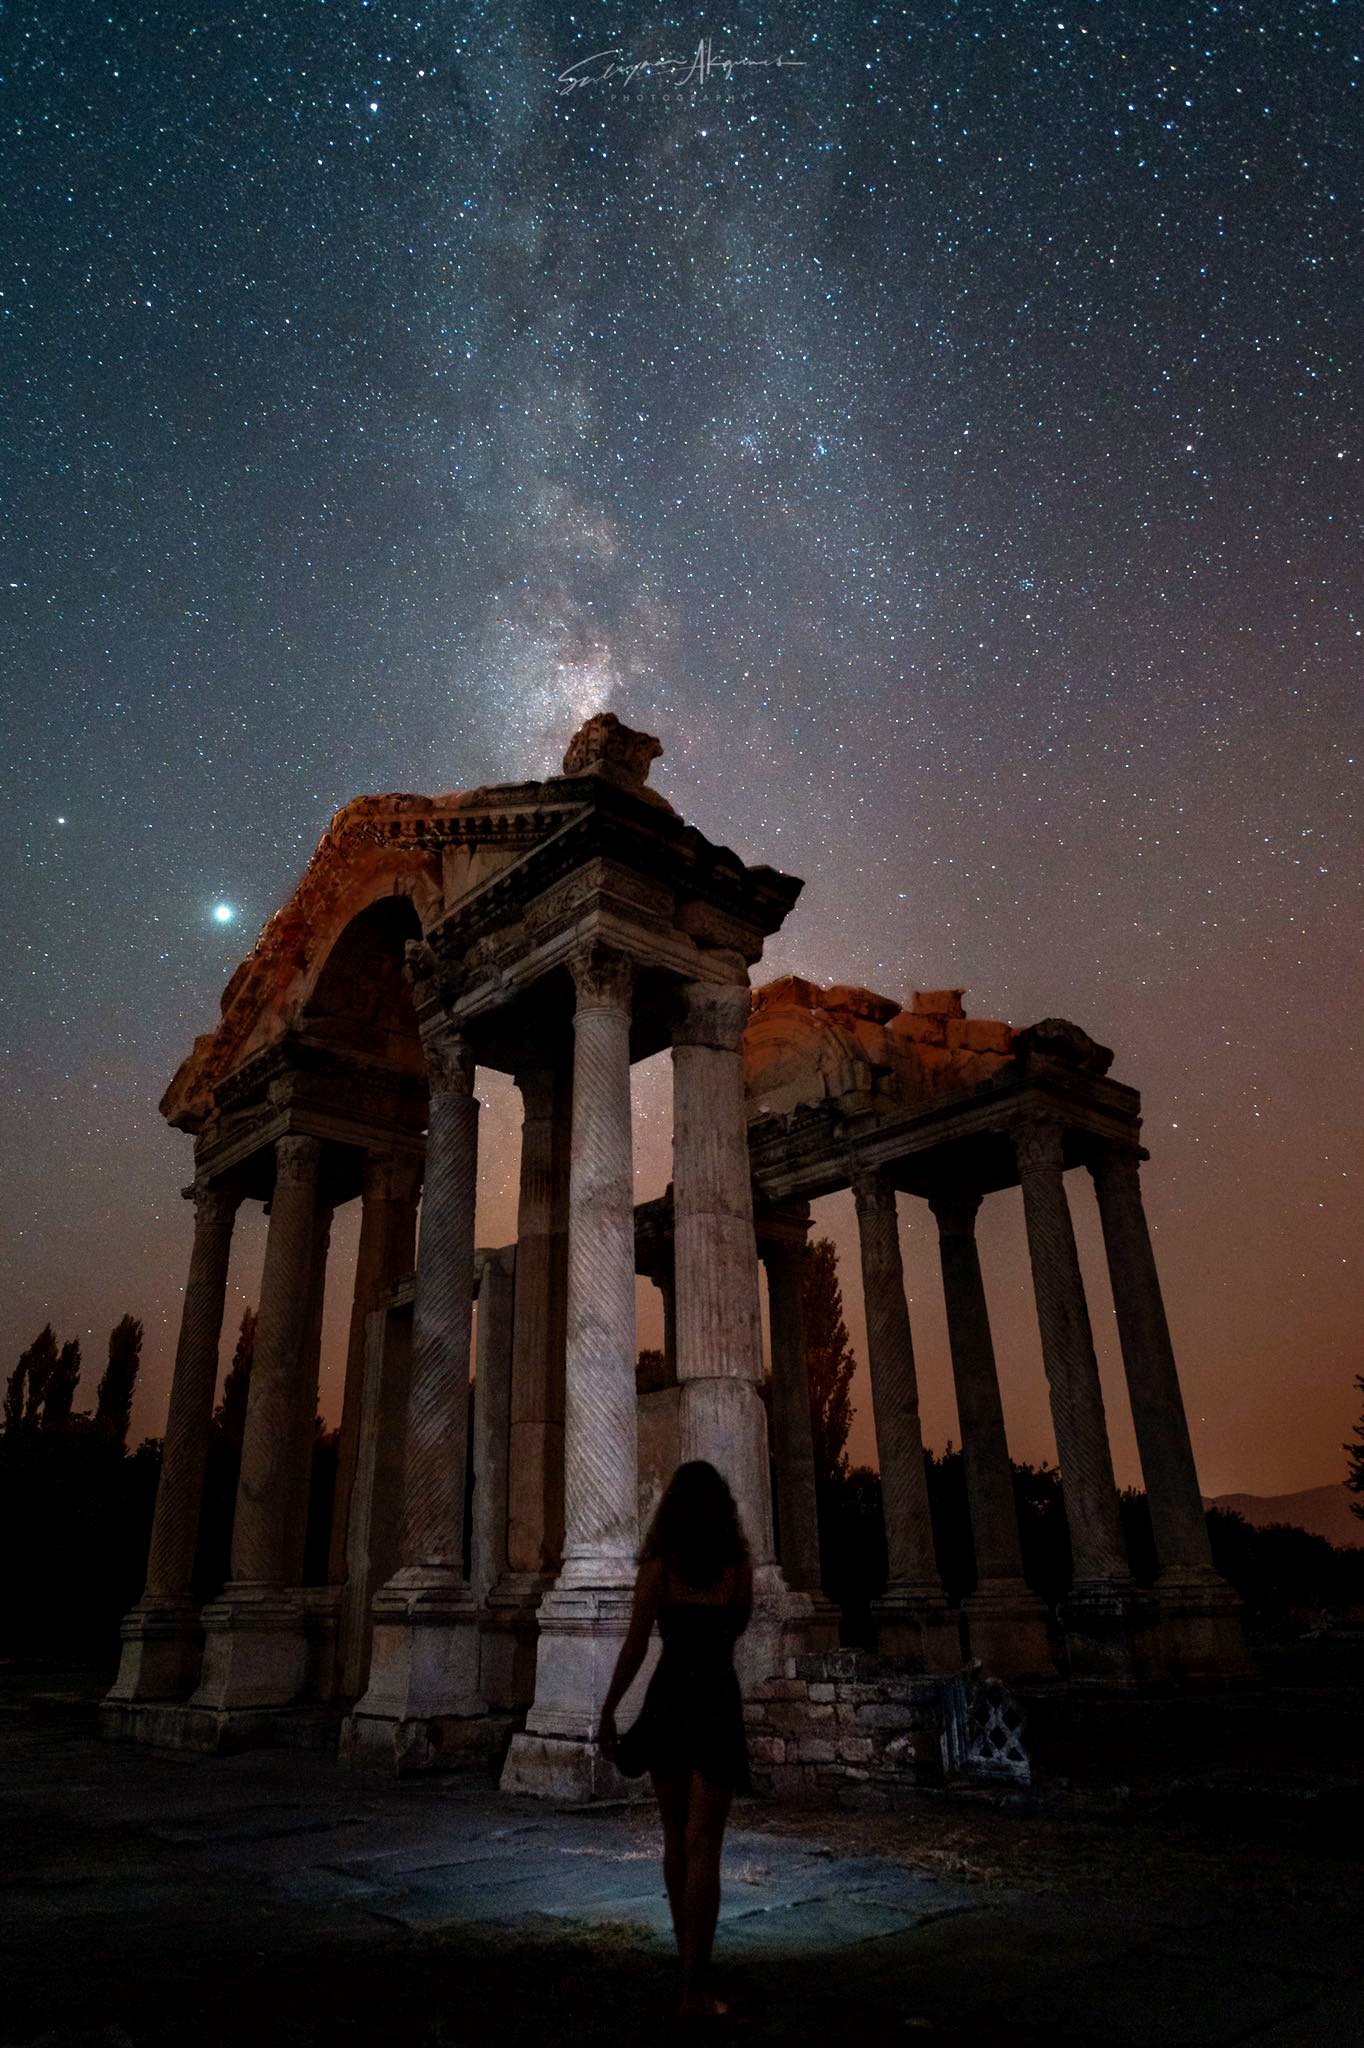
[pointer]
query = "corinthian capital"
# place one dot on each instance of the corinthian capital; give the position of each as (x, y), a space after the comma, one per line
(297, 1160)
(955, 1210)
(214, 1205)
(1117, 1166)
(392, 1179)
(1038, 1143)
(449, 1059)
(603, 977)
(872, 1192)
(712, 1013)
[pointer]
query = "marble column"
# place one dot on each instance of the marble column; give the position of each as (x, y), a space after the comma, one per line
(492, 1419)
(913, 1621)
(388, 1230)
(535, 1532)
(715, 1256)
(1200, 1627)
(1006, 1620)
(160, 1657)
(254, 1636)
(1100, 1611)
(305, 1409)
(584, 1615)
(424, 1663)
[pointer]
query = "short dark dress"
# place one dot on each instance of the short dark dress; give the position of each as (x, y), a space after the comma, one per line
(692, 1718)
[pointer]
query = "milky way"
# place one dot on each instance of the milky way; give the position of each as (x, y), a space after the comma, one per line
(941, 426)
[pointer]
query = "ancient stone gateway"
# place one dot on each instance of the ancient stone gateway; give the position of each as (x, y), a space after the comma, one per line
(558, 931)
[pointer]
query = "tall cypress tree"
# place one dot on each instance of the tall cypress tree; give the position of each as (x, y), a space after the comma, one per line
(41, 1358)
(61, 1387)
(229, 1417)
(829, 1361)
(114, 1398)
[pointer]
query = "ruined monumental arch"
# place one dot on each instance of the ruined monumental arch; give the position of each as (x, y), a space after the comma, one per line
(558, 931)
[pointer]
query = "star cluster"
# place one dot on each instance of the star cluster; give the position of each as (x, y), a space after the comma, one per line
(946, 438)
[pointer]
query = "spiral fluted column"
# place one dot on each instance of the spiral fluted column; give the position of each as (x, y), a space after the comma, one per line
(160, 1659)
(600, 1434)
(535, 1531)
(912, 1617)
(256, 1634)
(1006, 1619)
(1199, 1635)
(271, 1439)
(584, 1615)
(424, 1663)
(388, 1227)
(492, 1416)
(1082, 1448)
(1178, 1521)
(300, 1484)
(179, 1494)
(432, 1540)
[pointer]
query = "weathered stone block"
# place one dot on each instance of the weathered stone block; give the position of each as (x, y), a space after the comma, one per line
(890, 1716)
(859, 1002)
(810, 1750)
(938, 1002)
(828, 1664)
(821, 1692)
(755, 1714)
(920, 1031)
(794, 1717)
(766, 1749)
(856, 1749)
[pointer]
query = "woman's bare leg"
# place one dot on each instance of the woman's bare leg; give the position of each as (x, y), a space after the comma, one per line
(707, 1811)
(673, 1795)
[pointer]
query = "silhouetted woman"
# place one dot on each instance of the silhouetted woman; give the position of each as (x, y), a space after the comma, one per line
(696, 1580)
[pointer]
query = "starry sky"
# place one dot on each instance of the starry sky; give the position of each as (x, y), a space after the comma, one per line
(940, 425)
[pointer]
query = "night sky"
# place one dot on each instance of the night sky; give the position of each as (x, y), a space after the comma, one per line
(947, 440)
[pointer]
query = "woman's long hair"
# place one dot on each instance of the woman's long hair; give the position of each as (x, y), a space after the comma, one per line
(696, 1526)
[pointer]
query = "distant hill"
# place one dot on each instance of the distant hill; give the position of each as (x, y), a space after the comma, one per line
(1322, 1510)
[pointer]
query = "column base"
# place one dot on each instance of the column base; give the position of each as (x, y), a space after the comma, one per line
(1105, 1625)
(777, 1631)
(255, 1648)
(566, 1772)
(916, 1627)
(1197, 1634)
(581, 1629)
(423, 1674)
(811, 1634)
(179, 1724)
(511, 1631)
(1007, 1628)
(162, 1651)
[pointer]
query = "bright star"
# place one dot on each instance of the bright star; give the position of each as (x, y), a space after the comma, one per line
(223, 913)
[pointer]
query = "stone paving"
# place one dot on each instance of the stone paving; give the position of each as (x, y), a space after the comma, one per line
(119, 1861)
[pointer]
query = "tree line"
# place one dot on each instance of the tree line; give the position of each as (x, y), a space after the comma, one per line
(76, 1502)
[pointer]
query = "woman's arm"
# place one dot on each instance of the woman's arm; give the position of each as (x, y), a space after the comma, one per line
(648, 1587)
